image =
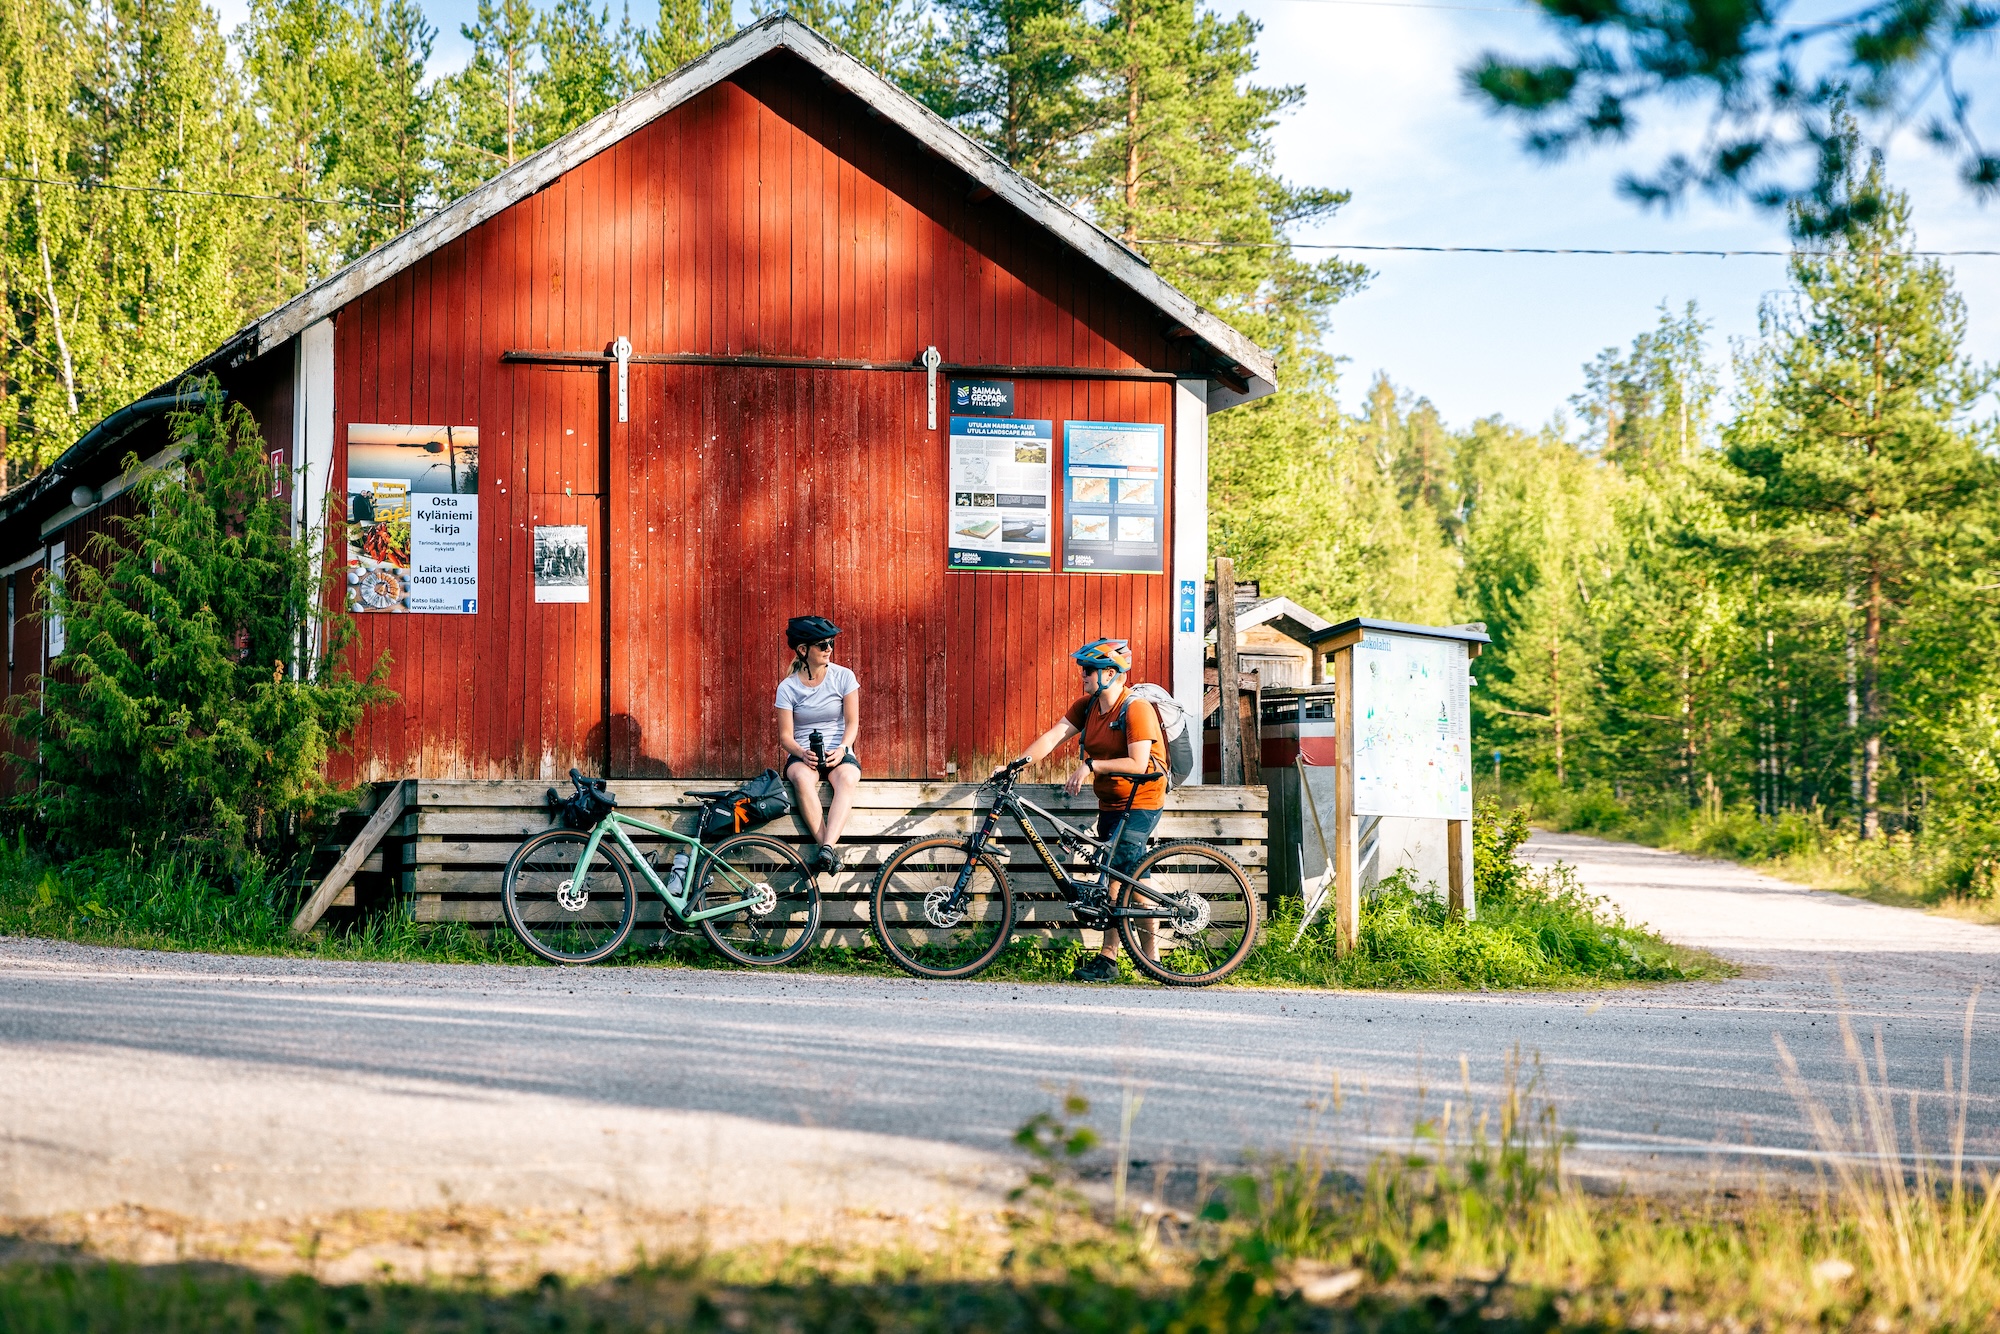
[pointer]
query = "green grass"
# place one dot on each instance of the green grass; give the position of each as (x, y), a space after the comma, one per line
(1531, 929)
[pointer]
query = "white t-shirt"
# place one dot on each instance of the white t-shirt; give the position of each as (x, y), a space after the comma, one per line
(818, 708)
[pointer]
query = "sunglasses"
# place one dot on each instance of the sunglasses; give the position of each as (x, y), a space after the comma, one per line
(824, 645)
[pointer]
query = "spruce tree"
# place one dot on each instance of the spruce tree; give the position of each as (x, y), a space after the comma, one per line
(183, 715)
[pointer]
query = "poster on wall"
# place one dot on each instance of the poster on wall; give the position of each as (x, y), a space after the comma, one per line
(1114, 508)
(1002, 476)
(562, 563)
(413, 519)
(1412, 727)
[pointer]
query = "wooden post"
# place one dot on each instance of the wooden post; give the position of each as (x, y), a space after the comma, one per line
(1346, 849)
(1458, 867)
(350, 861)
(1250, 710)
(1228, 723)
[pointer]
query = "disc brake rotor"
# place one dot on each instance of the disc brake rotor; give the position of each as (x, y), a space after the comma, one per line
(938, 912)
(765, 901)
(571, 896)
(1191, 914)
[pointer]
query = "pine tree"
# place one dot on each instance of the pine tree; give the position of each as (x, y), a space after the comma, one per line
(1012, 74)
(489, 115)
(305, 60)
(687, 29)
(387, 162)
(1854, 477)
(587, 67)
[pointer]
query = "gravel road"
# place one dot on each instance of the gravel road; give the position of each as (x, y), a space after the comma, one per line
(234, 1088)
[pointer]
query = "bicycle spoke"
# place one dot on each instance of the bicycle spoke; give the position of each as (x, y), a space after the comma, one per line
(927, 924)
(780, 918)
(561, 914)
(1207, 915)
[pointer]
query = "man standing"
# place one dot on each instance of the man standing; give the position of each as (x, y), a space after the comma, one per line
(1125, 757)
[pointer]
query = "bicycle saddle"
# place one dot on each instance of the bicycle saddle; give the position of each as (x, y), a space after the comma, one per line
(707, 796)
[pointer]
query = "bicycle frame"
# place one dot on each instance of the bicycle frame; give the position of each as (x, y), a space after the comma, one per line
(616, 823)
(1010, 802)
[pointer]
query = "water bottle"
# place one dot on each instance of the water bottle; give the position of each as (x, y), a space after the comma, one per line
(677, 874)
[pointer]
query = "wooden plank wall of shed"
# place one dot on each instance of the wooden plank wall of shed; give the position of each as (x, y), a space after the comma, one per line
(769, 216)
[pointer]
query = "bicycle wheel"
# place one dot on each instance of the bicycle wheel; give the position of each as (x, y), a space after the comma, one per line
(781, 924)
(926, 934)
(1214, 919)
(564, 916)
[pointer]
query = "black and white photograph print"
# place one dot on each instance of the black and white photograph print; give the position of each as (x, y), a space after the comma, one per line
(562, 563)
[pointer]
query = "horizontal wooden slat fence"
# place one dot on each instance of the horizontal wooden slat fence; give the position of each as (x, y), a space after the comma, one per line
(454, 842)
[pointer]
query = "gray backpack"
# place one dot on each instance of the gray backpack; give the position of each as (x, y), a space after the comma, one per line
(1173, 722)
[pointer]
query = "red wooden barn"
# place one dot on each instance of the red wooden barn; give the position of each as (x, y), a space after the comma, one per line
(701, 366)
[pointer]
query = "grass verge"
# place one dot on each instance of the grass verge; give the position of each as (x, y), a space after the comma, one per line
(1532, 928)
(1472, 1225)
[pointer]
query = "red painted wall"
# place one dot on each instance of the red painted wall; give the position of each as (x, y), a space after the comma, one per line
(770, 216)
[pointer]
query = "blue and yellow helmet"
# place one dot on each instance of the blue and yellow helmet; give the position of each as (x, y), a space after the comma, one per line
(1101, 653)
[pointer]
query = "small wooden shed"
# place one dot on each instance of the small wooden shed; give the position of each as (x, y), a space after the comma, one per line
(768, 338)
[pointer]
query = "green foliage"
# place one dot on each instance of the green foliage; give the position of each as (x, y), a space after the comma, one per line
(1530, 928)
(185, 716)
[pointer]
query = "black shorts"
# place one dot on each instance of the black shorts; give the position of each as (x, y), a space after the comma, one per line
(790, 759)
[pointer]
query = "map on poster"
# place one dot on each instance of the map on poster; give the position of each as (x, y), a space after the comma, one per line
(1001, 477)
(413, 518)
(1113, 506)
(1412, 727)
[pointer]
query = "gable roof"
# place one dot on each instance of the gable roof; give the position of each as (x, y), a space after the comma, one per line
(1234, 355)
(1230, 353)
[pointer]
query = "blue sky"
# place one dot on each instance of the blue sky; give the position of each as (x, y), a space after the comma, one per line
(1384, 118)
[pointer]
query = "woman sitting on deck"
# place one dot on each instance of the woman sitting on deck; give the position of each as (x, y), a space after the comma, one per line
(819, 699)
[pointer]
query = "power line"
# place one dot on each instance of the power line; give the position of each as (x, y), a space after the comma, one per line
(1510, 250)
(205, 194)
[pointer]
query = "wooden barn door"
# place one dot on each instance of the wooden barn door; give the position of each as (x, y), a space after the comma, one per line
(742, 497)
(562, 609)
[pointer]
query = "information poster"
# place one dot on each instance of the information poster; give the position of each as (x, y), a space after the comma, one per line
(562, 563)
(413, 519)
(1002, 481)
(1412, 727)
(1114, 509)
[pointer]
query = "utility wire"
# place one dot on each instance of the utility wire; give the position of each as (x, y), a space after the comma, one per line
(1505, 250)
(205, 194)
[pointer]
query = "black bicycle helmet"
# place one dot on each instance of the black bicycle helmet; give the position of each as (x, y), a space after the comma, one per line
(809, 630)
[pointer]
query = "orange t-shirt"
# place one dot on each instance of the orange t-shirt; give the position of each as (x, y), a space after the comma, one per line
(1102, 741)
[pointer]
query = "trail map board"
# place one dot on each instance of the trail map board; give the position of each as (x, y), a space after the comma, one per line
(1412, 727)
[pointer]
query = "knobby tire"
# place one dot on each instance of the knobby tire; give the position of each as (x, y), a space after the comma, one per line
(1214, 953)
(912, 940)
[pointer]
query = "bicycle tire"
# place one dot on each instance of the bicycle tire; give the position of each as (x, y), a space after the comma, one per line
(551, 930)
(1227, 926)
(774, 937)
(919, 944)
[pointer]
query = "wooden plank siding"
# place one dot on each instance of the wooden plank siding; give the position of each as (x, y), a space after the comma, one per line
(453, 843)
(768, 216)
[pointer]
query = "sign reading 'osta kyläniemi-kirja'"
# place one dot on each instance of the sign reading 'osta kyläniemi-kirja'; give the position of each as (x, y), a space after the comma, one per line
(413, 518)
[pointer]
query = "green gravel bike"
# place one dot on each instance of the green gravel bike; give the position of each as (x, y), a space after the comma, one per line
(569, 893)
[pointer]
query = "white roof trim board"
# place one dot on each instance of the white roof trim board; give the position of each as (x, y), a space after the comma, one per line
(779, 32)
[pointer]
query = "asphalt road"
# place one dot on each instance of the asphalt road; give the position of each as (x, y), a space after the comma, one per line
(231, 1087)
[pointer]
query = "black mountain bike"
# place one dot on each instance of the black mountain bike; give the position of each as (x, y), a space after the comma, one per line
(943, 906)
